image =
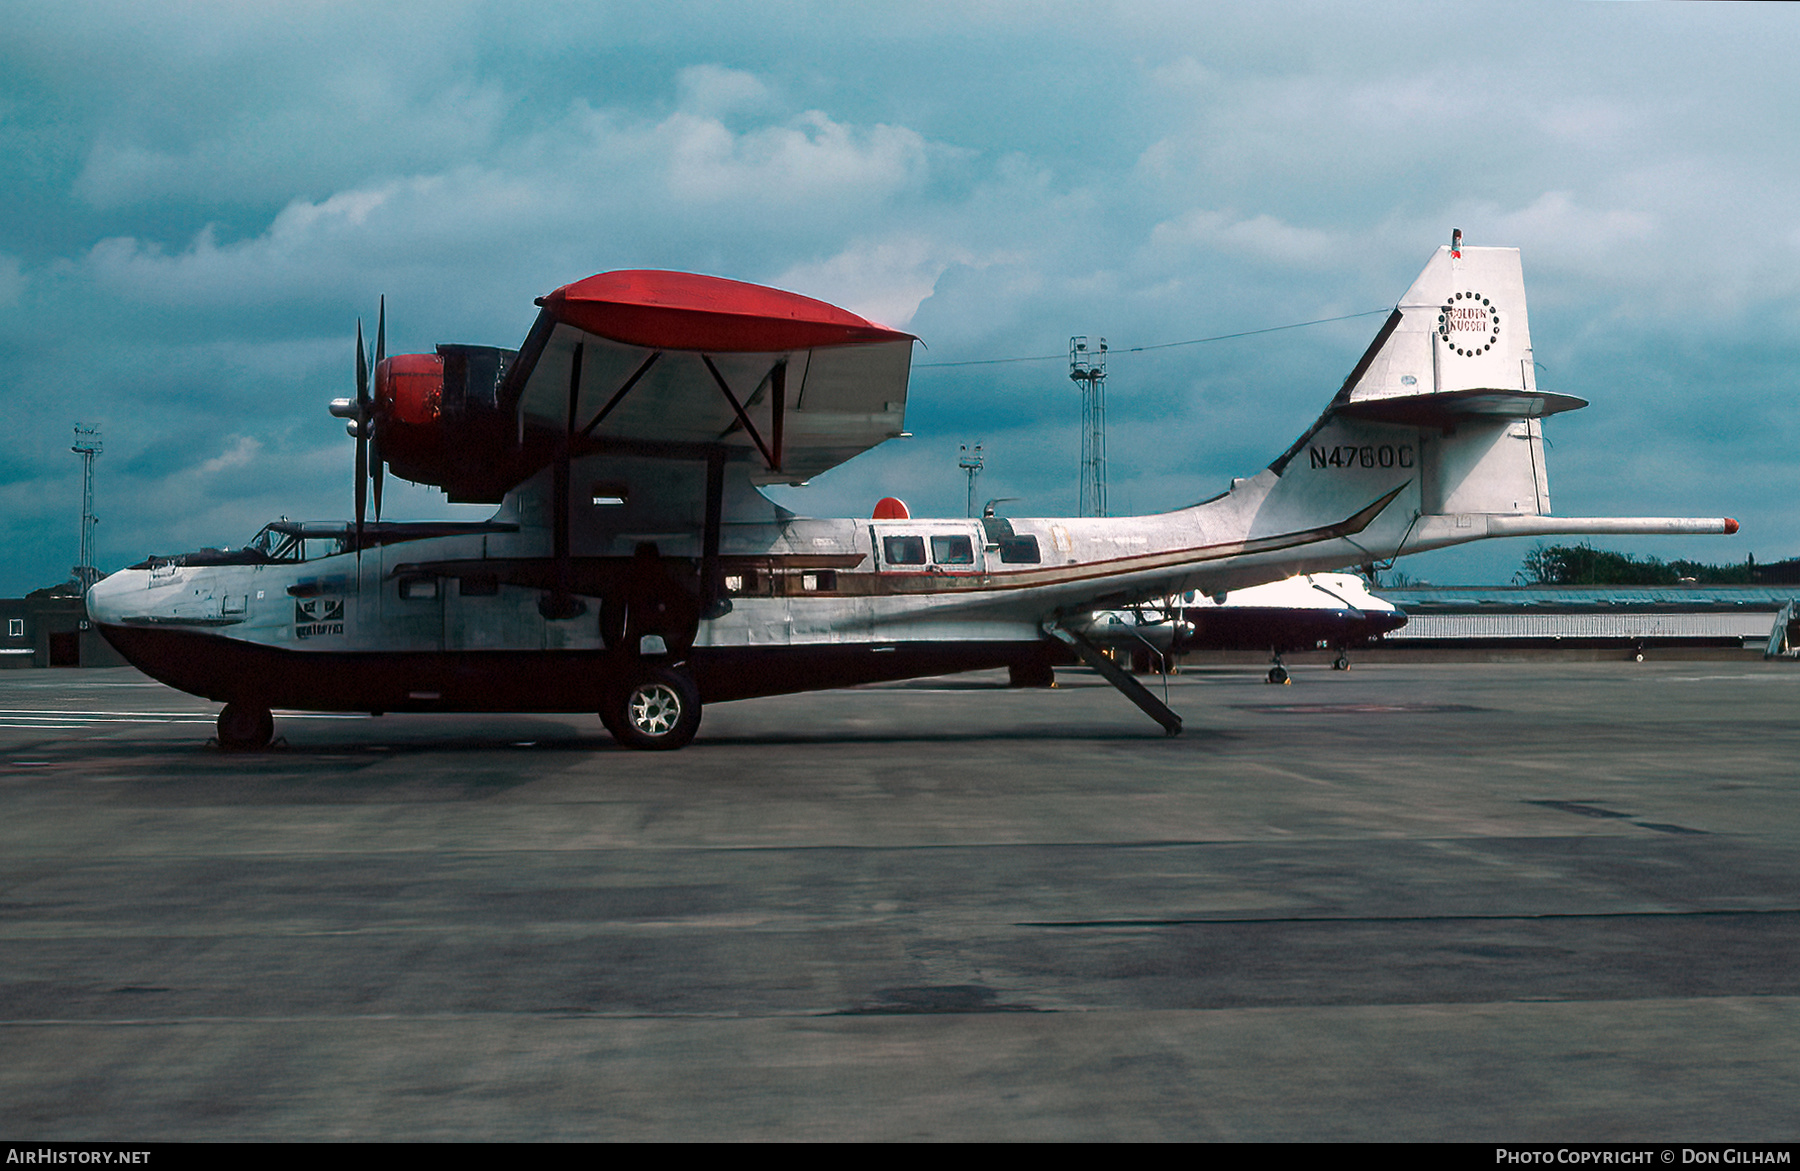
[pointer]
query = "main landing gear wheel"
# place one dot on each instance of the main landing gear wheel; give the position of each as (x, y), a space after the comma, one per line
(244, 727)
(660, 710)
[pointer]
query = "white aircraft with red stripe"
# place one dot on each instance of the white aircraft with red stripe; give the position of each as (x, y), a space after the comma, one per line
(634, 569)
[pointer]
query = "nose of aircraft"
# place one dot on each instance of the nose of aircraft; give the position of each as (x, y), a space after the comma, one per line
(107, 599)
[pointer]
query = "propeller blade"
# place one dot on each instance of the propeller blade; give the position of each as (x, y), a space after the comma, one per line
(377, 469)
(362, 486)
(362, 369)
(362, 435)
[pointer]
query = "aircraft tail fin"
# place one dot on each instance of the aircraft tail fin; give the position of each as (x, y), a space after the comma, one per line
(1452, 365)
(1444, 409)
(1457, 346)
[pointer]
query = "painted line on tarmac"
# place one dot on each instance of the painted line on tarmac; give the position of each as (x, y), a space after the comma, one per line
(1771, 677)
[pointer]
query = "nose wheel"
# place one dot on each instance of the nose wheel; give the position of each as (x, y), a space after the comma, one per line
(244, 727)
(658, 710)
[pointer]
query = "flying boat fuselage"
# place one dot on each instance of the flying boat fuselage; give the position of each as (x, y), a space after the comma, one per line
(634, 569)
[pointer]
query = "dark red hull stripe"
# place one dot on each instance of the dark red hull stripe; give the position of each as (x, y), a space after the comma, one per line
(231, 670)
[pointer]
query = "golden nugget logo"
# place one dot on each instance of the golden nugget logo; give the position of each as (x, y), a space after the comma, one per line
(314, 617)
(1469, 324)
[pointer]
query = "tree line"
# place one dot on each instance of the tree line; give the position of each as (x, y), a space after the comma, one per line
(1580, 565)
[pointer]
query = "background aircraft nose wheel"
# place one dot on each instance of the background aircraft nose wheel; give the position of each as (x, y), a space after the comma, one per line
(244, 727)
(1342, 662)
(1278, 674)
(660, 709)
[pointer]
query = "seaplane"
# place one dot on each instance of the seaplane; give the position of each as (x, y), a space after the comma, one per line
(634, 569)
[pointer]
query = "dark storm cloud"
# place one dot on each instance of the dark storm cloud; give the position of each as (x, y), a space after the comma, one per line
(201, 200)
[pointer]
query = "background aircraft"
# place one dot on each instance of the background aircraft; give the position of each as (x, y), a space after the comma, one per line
(1311, 611)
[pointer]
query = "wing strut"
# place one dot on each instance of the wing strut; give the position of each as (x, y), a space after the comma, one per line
(1134, 691)
(778, 413)
(617, 397)
(779, 374)
(561, 603)
(713, 602)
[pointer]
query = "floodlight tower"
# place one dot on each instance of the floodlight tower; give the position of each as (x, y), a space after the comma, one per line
(971, 463)
(87, 446)
(1087, 367)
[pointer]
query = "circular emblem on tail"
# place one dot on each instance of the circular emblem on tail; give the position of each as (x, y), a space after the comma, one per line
(1469, 324)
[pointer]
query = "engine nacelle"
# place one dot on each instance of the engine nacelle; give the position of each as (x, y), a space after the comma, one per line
(440, 421)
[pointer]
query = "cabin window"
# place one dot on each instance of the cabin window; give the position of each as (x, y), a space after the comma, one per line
(954, 550)
(478, 585)
(423, 588)
(1019, 551)
(903, 550)
(15, 628)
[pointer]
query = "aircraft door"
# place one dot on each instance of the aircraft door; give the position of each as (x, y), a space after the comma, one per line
(414, 612)
(933, 548)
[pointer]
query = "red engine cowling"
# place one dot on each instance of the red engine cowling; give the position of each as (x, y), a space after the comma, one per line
(409, 414)
(439, 420)
(409, 389)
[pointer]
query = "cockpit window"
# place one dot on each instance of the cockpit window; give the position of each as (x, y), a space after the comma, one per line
(276, 546)
(279, 542)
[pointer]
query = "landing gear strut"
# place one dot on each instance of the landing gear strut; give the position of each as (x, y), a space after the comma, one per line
(658, 710)
(244, 727)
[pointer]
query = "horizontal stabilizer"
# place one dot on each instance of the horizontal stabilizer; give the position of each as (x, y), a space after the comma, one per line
(1438, 531)
(1603, 526)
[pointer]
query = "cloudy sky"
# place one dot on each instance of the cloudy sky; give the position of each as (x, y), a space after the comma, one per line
(198, 200)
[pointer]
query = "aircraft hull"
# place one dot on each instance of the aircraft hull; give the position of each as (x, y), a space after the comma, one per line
(231, 670)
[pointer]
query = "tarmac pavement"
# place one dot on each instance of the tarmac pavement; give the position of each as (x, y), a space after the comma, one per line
(1552, 901)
